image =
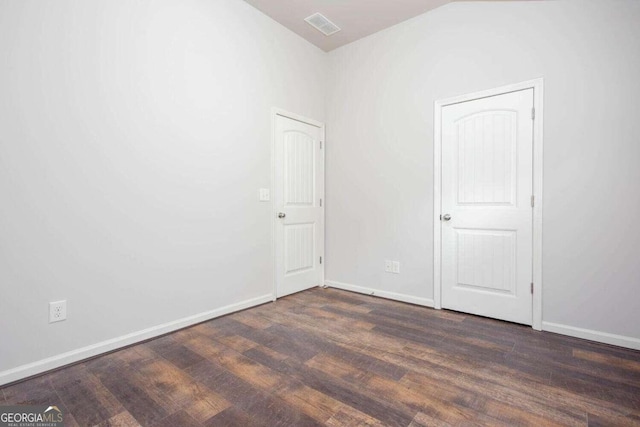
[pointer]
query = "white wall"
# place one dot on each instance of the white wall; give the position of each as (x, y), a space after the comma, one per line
(380, 147)
(133, 139)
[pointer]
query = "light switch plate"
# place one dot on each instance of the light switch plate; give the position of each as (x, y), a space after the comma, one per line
(264, 195)
(388, 266)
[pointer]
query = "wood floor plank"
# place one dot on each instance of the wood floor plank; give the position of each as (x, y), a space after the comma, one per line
(303, 398)
(434, 330)
(350, 417)
(437, 327)
(123, 419)
(236, 363)
(260, 351)
(236, 342)
(180, 418)
(171, 349)
(137, 394)
(402, 395)
(261, 405)
(276, 412)
(325, 316)
(317, 405)
(630, 366)
(444, 404)
(232, 417)
(200, 402)
(85, 396)
(363, 360)
(224, 383)
(36, 391)
(424, 420)
(597, 421)
(489, 406)
(336, 358)
(249, 320)
(274, 342)
(347, 393)
(613, 373)
(69, 419)
(352, 298)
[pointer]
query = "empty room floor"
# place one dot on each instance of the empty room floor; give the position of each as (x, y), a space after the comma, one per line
(330, 357)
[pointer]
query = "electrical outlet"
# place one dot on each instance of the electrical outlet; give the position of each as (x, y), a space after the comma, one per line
(264, 195)
(396, 267)
(388, 266)
(57, 311)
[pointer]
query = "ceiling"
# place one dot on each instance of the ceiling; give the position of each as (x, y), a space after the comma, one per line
(356, 18)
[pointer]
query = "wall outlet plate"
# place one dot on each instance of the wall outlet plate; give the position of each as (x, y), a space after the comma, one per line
(396, 267)
(57, 311)
(264, 195)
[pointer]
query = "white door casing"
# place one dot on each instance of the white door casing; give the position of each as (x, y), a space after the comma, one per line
(298, 211)
(486, 254)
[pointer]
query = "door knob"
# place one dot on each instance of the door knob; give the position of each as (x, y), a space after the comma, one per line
(446, 217)
(282, 215)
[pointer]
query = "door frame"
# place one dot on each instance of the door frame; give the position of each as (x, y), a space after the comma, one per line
(537, 85)
(275, 112)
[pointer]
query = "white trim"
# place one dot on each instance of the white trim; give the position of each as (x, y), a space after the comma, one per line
(272, 211)
(588, 334)
(54, 362)
(426, 302)
(437, 205)
(538, 169)
(537, 86)
(275, 112)
(324, 201)
(280, 112)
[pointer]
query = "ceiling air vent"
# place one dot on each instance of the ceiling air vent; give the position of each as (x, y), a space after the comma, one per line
(322, 24)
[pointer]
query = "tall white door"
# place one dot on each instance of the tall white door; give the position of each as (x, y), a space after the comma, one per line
(487, 214)
(299, 188)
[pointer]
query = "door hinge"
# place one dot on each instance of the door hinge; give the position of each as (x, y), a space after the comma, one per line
(531, 288)
(320, 202)
(533, 113)
(533, 201)
(320, 260)
(321, 145)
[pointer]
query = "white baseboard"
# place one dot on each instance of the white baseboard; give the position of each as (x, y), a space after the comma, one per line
(588, 334)
(80, 354)
(426, 302)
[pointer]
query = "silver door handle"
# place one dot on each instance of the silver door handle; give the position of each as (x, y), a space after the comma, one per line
(446, 217)
(282, 215)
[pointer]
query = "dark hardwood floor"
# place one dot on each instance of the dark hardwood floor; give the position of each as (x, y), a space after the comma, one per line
(329, 357)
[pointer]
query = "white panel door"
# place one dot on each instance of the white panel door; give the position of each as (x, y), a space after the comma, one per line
(487, 217)
(299, 188)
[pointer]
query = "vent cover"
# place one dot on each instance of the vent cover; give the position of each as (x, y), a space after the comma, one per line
(322, 24)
